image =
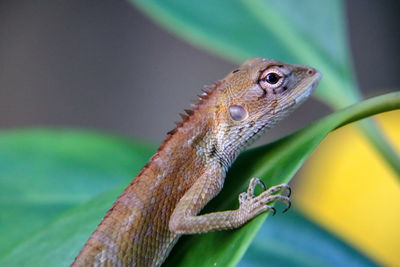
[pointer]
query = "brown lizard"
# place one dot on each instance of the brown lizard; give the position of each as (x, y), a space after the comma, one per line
(189, 168)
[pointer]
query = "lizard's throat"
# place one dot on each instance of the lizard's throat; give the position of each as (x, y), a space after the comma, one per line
(238, 139)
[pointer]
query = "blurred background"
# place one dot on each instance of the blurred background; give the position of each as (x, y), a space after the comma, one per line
(104, 65)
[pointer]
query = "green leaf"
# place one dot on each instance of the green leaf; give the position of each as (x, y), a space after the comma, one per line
(310, 32)
(58, 241)
(274, 163)
(44, 173)
(293, 240)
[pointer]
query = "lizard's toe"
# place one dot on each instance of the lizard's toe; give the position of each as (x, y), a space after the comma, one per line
(253, 184)
(242, 198)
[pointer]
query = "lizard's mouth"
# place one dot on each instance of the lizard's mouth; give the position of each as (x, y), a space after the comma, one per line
(302, 92)
(309, 85)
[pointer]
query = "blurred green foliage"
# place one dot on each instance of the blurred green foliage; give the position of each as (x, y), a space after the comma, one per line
(57, 185)
(310, 32)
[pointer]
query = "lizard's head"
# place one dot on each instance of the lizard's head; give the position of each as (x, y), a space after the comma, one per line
(260, 93)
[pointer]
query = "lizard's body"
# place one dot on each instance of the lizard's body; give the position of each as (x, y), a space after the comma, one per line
(189, 168)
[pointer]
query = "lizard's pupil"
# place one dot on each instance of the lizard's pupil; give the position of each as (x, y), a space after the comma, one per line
(272, 78)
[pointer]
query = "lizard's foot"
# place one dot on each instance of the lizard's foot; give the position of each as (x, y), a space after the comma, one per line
(253, 205)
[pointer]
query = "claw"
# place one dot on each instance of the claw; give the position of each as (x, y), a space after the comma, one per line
(264, 187)
(253, 183)
(288, 207)
(251, 203)
(273, 211)
(289, 191)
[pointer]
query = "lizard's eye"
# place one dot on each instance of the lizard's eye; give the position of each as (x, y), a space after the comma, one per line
(272, 79)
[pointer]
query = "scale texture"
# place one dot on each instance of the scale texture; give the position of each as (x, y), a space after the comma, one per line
(189, 168)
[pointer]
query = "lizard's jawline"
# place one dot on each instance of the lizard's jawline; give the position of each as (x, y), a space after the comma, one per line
(288, 109)
(305, 94)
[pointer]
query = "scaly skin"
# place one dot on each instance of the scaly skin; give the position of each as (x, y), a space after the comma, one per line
(189, 168)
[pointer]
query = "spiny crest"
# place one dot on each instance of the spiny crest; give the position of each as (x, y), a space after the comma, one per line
(206, 92)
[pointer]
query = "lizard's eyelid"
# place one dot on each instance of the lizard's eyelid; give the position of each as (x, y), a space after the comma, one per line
(271, 78)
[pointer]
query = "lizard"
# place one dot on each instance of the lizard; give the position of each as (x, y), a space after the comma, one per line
(189, 168)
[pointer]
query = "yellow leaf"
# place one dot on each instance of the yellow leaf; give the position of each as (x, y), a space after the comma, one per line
(347, 188)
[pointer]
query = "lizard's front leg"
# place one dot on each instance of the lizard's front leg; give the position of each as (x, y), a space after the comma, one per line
(185, 221)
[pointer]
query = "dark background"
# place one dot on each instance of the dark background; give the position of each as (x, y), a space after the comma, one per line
(103, 65)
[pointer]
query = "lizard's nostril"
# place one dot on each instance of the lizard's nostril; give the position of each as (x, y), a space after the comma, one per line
(310, 71)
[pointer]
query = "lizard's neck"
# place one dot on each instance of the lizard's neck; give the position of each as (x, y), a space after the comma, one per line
(199, 134)
(206, 137)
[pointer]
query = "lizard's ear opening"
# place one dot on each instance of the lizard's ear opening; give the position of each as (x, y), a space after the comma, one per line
(238, 112)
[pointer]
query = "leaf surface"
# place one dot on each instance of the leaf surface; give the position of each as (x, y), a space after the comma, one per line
(44, 173)
(58, 237)
(293, 240)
